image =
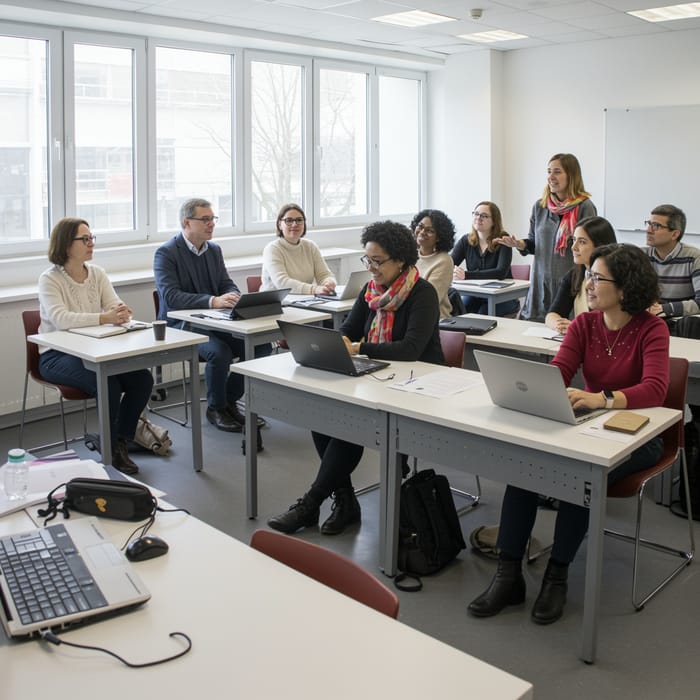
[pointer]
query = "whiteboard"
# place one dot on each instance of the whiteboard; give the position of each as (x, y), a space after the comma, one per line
(652, 156)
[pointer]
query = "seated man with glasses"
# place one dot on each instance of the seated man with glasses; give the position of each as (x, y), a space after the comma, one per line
(190, 274)
(676, 264)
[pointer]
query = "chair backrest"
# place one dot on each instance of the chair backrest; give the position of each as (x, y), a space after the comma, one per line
(520, 272)
(253, 283)
(327, 567)
(675, 398)
(452, 344)
(156, 302)
(31, 320)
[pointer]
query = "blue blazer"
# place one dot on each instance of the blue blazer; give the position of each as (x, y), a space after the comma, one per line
(175, 278)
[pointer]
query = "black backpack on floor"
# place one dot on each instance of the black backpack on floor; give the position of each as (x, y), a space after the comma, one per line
(430, 536)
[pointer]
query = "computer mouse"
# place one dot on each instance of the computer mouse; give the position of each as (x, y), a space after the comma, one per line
(146, 547)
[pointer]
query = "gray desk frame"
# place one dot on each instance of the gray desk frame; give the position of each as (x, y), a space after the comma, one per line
(518, 290)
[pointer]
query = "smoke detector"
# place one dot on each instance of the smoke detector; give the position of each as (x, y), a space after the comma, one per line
(476, 13)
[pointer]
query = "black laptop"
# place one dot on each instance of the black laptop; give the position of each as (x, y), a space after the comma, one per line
(468, 325)
(323, 348)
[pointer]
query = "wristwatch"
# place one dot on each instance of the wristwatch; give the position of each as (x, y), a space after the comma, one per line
(609, 398)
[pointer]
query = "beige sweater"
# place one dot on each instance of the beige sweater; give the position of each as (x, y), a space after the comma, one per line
(299, 267)
(437, 269)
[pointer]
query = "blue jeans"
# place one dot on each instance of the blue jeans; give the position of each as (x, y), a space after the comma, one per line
(519, 510)
(128, 392)
(476, 305)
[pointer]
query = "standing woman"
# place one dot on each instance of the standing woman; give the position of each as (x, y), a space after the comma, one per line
(72, 294)
(293, 261)
(395, 317)
(554, 217)
(571, 294)
(435, 234)
(484, 257)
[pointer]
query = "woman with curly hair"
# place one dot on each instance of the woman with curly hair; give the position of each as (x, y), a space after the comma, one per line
(435, 234)
(395, 317)
(622, 351)
(484, 257)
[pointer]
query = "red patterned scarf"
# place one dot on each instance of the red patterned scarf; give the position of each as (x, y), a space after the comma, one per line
(568, 211)
(386, 301)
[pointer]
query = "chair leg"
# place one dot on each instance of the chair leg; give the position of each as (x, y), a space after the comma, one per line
(24, 410)
(160, 410)
(63, 423)
(686, 556)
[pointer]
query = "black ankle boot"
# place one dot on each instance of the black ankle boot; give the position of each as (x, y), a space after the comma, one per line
(304, 513)
(345, 511)
(507, 588)
(549, 605)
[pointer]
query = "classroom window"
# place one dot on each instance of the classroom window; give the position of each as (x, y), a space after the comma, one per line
(104, 136)
(343, 117)
(194, 147)
(399, 144)
(24, 166)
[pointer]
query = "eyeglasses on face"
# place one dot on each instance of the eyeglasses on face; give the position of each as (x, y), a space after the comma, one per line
(204, 219)
(293, 220)
(483, 216)
(429, 230)
(371, 262)
(655, 225)
(86, 239)
(597, 279)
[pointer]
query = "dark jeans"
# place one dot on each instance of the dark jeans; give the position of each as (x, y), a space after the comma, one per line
(519, 510)
(338, 461)
(128, 392)
(476, 305)
(224, 387)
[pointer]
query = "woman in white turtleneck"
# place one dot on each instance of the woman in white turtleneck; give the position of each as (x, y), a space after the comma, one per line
(293, 261)
(435, 232)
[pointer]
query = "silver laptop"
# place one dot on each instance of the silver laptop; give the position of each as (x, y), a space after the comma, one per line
(323, 348)
(356, 281)
(529, 387)
(62, 575)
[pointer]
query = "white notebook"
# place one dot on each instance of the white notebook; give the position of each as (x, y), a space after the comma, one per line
(107, 329)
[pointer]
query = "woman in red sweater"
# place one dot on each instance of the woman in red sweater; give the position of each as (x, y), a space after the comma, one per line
(622, 351)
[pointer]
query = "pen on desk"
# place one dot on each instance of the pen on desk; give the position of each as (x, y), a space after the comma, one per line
(411, 378)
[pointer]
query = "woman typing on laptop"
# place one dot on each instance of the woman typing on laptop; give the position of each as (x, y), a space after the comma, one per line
(394, 318)
(623, 352)
(72, 294)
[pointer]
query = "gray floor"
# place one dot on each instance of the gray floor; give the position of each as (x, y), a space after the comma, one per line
(650, 654)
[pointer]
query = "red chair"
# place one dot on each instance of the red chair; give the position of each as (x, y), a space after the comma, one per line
(31, 320)
(520, 272)
(327, 567)
(253, 283)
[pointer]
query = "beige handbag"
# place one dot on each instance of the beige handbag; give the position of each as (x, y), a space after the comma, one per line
(153, 437)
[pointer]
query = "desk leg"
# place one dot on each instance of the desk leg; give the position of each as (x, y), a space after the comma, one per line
(196, 410)
(103, 413)
(390, 491)
(594, 563)
(251, 454)
(492, 305)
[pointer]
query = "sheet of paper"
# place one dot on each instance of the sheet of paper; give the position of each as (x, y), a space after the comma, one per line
(595, 428)
(437, 384)
(541, 331)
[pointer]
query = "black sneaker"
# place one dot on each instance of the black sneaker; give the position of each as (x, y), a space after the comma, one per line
(223, 421)
(303, 513)
(345, 511)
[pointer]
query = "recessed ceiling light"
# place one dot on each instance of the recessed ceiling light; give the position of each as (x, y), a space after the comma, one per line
(414, 18)
(668, 13)
(492, 36)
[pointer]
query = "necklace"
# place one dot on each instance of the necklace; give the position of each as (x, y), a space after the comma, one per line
(610, 348)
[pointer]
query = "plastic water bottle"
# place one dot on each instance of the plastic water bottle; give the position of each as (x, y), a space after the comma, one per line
(16, 474)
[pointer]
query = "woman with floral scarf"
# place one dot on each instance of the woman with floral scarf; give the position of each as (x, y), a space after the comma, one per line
(552, 223)
(395, 317)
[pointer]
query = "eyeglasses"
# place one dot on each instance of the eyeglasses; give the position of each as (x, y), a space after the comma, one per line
(476, 215)
(655, 225)
(293, 220)
(204, 219)
(370, 262)
(597, 279)
(86, 239)
(429, 230)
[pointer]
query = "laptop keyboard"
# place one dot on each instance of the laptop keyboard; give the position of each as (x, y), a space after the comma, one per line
(46, 576)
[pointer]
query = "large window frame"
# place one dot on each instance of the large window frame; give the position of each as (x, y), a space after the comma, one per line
(62, 154)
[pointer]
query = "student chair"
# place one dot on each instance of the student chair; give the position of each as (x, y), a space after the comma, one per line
(253, 284)
(634, 485)
(327, 567)
(519, 272)
(31, 320)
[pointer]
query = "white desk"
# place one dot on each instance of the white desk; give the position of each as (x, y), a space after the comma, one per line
(254, 331)
(259, 630)
(464, 431)
(515, 290)
(127, 352)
